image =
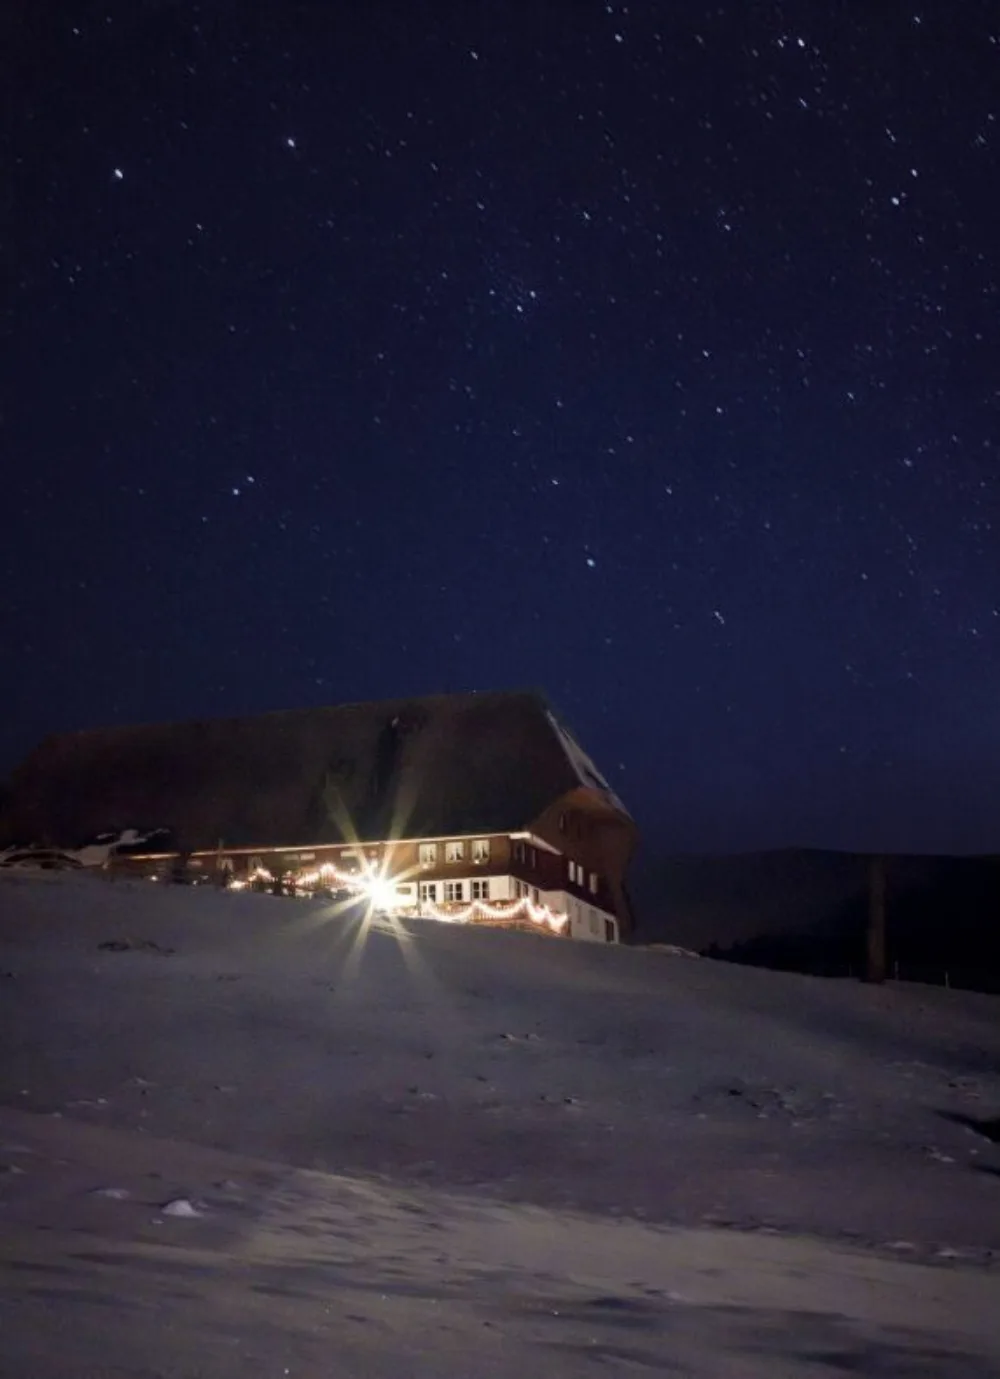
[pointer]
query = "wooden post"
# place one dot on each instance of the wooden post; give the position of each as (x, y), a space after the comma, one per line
(875, 970)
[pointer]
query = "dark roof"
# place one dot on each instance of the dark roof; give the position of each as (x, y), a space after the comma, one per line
(445, 764)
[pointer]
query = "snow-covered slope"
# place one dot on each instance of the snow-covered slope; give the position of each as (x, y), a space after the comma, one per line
(550, 1072)
(487, 1088)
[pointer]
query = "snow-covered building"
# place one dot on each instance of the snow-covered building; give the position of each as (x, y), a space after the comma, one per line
(479, 808)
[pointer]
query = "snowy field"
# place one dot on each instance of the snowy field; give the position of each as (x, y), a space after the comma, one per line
(436, 1151)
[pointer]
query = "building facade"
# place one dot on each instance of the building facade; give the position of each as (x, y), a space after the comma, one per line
(477, 809)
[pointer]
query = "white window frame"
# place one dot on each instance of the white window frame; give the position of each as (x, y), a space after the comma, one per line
(480, 850)
(427, 854)
(428, 892)
(454, 892)
(481, 888)
(454, 850)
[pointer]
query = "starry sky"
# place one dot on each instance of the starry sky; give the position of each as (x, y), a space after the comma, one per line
(644, 353)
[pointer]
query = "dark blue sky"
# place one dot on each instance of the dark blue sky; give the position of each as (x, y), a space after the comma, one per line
(644, 353)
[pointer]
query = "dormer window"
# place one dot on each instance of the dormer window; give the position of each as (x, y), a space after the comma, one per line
(454, 851)
(428, 854)
(481, 850)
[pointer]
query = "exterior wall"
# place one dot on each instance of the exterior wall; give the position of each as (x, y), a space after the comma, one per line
(587, 922)
(598, 840)
(405, 858)
(498, 888)
(515, 868)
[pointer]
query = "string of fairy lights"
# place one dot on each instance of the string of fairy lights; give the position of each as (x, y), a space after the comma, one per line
(370, 884)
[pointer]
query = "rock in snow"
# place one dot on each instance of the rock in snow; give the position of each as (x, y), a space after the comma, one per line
(182, 1207)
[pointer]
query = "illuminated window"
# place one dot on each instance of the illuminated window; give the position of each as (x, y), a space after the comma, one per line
(428, 854)
(454, 890)
(454, 851)
(481, 850)
(481, 890)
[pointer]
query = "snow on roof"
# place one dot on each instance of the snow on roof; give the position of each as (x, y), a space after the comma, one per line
(586, 772)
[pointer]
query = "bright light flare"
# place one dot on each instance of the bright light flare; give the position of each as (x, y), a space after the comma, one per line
(381, 893)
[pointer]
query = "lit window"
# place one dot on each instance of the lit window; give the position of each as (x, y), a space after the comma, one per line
(428, 854)
(454, 851)
(481, 890)
(454, 890)
(481, 850)
(593, 882)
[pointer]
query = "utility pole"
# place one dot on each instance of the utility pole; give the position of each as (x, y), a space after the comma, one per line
(875, 970)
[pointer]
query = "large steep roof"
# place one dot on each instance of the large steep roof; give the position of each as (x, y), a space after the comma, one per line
(444, 764)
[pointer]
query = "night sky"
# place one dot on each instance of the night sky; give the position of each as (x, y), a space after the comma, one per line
(646, 354)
